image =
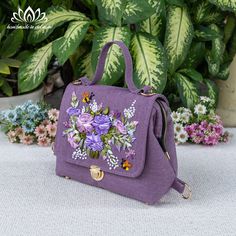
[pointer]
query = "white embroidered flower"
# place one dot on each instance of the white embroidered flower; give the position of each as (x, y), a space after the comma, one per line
(93, 106)
(178, 128)
(175, 116)
(129, 112)
(79, 154)
(182, 136)
(83, 110)
(200, 109)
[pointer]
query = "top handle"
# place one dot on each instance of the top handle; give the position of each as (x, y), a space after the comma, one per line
(128, 70)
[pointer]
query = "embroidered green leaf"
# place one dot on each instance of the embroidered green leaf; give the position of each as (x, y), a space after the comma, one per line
(84, 66)
(114, 66)
(106, 111)
(65, 46)
(155, 23)
(134, 11)
(195, 55)
(228, 5)
(56, 16)
(212, 90)
(149, 62)
(187, 90)
(179, 34)
(12, 43)
(34, 69)
(111, 10)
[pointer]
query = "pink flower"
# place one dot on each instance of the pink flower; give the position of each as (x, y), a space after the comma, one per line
(40, 131)
(211, 139)
(52, 129)
(45, 122)
(120, 127)
(27, 139)
(84, 122)
(19, 132)
(71, 140)
(53, 114)
(11, 136)
(43, 141)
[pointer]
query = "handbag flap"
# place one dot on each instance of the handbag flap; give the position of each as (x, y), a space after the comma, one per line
(104, 126)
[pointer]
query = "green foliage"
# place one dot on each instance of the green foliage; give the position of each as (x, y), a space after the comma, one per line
(178, 46)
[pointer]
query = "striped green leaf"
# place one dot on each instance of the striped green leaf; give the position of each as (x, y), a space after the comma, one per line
(84, 66)
(213, 66)
(135, 11)
(195, 55)
(149, 62)
(213, 90)
(111, 11)
(56, 16)
(188, 91)
(178, 38)
(12, 43)
(224, 71)
(179, 3)
(65, 46)
(206, 13)
(114, 66)
(34, 69)
(191, 73)
(203, 33)
(155, 23)
(228, 5)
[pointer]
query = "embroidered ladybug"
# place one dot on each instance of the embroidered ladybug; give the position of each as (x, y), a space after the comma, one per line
(126, 165)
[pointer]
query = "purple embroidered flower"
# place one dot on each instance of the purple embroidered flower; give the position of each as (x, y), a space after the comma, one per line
(115, 114)
(120, 127)
(94, 142)
(130, 154)
(84, 123)
(71, 140)
(71, 111)
(102, 124)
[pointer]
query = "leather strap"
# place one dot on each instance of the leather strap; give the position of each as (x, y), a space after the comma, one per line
(128, 71)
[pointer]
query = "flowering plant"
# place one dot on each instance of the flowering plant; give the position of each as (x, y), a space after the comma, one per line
(92, 130)
(30, 123)
(200, 125)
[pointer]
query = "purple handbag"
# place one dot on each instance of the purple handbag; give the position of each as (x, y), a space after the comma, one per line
(119, 139)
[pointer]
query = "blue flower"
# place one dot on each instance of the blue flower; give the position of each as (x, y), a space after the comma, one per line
(71, 111)
(94, 142)
(11, 116)
(102, 124)
(28, 126)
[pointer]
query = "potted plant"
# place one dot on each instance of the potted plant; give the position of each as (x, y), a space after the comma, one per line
(180, 48)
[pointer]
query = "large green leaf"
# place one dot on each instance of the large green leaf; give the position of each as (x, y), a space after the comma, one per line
(135, 11)
(11, 62)
(114, 66)
(4, 69)
(56, 16)
(229, 28)
(195, 55)
(65, 46)
(224, 71)
(2, 31)
(34, 69)
(228, 5)
(179, 3)
(213, 90)
(5, 87)
(191, 73)
(232, 48)
(84, 66)
(12, 43)
(206, 13)
(213, 66)
(155, 23)
(111, 10)
(178, 38)
(187, 90)
(149, 62)
(203, 33)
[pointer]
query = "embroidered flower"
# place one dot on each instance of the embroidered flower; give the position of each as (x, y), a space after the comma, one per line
(94, 142)
(120, 127)
(72, 140)
(71, 111)
(102, 124)
(84, 123)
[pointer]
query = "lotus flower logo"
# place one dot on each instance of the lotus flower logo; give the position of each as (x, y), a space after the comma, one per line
(28, 16)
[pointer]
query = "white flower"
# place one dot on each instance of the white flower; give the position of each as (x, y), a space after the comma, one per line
(129, 113)
(182, 136)
(185, 117)
(93, 106)
(178, 128)
(200, 109)
(175, 116)
(83, 110)
(205, 99)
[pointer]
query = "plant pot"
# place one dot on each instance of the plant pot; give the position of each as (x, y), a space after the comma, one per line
(8, 102)
(227, 98)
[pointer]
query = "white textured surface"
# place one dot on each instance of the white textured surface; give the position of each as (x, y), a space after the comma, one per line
(34, 201)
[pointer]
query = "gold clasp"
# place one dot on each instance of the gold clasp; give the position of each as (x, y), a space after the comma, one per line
(96, 173)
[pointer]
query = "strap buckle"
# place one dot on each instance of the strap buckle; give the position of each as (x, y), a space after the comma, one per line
(187, 193)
